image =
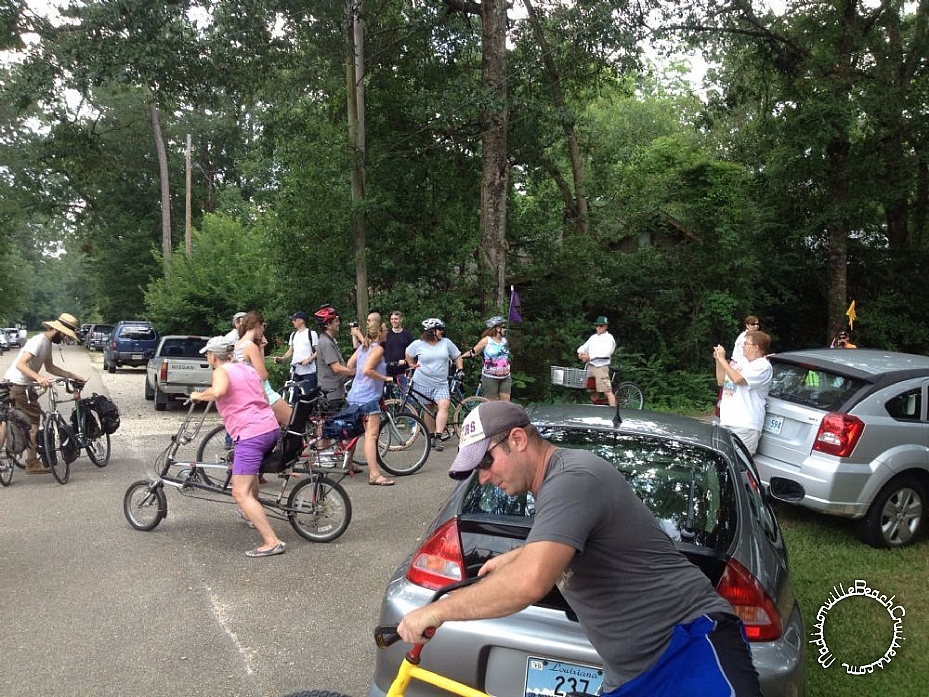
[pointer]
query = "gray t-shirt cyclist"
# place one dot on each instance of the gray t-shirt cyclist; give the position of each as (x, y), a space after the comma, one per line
(627, 582)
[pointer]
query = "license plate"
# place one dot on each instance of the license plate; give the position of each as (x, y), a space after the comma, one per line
(773, 424)
(545, 676)
(137, 356)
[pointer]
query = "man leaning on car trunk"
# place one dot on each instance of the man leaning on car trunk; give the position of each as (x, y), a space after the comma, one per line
(660, 627)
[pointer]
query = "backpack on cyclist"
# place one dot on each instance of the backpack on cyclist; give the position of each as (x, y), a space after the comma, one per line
(17, 430)
(345, 425)
(92, 427)
(106, 410)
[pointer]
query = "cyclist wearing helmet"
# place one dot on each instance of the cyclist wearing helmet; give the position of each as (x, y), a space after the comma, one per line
(430, 355)
(496, 382)
(333, 373)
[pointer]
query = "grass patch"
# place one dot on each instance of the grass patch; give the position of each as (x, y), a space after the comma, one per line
(825, 553)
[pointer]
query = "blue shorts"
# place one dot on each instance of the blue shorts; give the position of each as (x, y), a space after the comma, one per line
(708, 657)
(368, 408)
(249, 452)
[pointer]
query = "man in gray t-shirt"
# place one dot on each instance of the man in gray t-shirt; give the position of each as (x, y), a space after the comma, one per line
(333, 373)
(654, 618)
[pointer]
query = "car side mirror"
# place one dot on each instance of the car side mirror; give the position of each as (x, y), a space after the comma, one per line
(785, 490)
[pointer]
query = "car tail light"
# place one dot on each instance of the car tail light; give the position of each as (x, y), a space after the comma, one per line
(838, 434)
(439, 560)
(751, 603)
(163, 373)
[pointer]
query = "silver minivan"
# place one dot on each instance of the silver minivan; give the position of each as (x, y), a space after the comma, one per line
(851, 426)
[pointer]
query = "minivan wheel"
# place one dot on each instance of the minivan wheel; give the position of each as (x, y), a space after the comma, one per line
(111, 367)
(896, 515)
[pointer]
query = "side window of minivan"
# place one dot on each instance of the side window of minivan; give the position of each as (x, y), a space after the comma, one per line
(907, 406)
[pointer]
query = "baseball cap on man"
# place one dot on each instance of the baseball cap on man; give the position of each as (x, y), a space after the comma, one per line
(237, 316)
(601, 320)
(300, 315)
(218, 344)
(482, 424)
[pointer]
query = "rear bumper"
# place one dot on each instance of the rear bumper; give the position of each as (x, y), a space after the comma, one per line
(832, 487)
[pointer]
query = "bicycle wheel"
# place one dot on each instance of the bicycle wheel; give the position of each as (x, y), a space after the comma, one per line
(98, 449)
(144, 505)
(629, 396)
(467, 405)
(319, 509)
(216, 446)
(402, 444)
(52, 438)
(7, 460)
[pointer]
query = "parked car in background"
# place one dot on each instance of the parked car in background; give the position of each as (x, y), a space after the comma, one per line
(177, 369)
(82, 333)
(130, 343)
(851, 426)
(698, 481)
(11, 334)
(4, 343)
(97, 336)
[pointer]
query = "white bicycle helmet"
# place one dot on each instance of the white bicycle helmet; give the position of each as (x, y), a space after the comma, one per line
(494, 321)
(433, 323)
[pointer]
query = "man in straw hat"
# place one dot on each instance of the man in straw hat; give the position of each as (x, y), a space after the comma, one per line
(24, 374)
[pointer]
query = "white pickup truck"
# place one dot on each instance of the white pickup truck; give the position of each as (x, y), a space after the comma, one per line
(176, 369)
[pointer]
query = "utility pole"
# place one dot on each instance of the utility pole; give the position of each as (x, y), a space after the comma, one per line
(354, 69)
(187, 215)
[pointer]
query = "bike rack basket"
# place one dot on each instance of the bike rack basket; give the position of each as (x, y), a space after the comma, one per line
(569, 377)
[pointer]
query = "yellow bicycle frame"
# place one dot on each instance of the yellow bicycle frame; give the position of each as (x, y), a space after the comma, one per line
(411, 670)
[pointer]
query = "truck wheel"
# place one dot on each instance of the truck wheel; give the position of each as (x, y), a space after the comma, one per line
(161, 399)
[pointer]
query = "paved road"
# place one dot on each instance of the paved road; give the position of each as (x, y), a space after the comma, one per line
(93, 607)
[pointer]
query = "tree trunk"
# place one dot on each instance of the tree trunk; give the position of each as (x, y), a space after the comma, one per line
(578, 210)
(495, 170)
(165, 186)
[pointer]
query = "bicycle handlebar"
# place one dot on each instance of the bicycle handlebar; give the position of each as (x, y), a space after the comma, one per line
(386, 634)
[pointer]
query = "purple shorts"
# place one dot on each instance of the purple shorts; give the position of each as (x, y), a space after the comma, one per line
(249, 452)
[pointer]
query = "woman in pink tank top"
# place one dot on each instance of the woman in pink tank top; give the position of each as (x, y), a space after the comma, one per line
(250, 422)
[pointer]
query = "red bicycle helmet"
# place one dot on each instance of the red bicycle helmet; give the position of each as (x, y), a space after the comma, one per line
(325, 314)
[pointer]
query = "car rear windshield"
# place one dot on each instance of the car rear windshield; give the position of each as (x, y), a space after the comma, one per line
(688, 488)
(138, 332)
(184, 348)
(812, 387)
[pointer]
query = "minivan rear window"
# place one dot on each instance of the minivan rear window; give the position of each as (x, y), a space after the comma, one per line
(687, 488)
(812, 387)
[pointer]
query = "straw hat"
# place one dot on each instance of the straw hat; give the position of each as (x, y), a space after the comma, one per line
(66, 324)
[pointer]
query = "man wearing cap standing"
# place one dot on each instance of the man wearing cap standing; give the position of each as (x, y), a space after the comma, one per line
(654, 618)
(596, 352)
(301, 350)
(233, 334)
(24, 374)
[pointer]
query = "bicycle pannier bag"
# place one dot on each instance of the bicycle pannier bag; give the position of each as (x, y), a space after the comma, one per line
(18, 428)
(107, 411)
(345, 425)
(69, 447)
(92, 428)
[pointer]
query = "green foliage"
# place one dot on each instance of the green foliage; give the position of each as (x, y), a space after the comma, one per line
(226, 272)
